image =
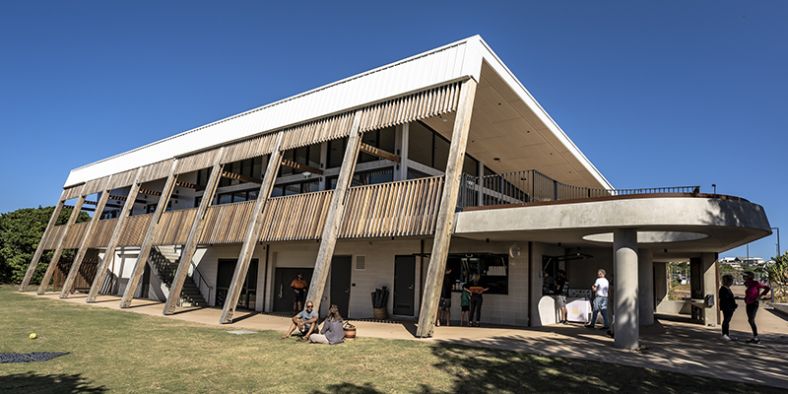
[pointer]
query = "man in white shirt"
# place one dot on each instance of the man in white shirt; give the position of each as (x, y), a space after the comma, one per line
(600, 288)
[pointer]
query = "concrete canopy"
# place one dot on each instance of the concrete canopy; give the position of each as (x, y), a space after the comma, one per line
(677, 224)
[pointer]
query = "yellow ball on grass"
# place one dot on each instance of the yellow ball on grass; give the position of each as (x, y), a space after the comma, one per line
(33, 335)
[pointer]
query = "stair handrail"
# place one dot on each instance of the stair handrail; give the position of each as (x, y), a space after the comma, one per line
(202, 281)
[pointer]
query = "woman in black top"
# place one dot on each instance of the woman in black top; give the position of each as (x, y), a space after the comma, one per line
(727, 305)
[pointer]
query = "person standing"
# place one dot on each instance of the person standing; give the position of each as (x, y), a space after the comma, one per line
(465, 306)
(755, 290)
(727, 305)
(444, 306)
(476, 290)
(600, 288)
(298, 284)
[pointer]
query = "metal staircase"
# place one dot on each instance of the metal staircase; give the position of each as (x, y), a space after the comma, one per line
(164, 261)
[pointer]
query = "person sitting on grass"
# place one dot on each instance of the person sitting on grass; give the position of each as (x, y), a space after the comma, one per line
(305, 321)
(333, 331)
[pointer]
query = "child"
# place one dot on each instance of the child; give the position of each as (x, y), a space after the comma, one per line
(465, 306)
(727, 305)
(751, 297)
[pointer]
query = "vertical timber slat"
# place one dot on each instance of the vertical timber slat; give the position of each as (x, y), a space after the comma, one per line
(42, 243)
(335, 215)
(83, 246)
(59, 247)
(109, 253)
(195, 231)
(446, 211)
(147, 242)
(253, 232)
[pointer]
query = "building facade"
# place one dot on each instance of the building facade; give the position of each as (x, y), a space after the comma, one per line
(384, 179)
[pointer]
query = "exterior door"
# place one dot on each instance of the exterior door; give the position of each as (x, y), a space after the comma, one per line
(341, 267)
(404, 284)
(145, 282)
(283, 294)
(224, 276)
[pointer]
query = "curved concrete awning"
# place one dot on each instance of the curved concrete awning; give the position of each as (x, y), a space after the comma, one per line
(704, 223)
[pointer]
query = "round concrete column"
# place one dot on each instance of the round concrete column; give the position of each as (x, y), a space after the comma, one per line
(625, 266)
(646, 286)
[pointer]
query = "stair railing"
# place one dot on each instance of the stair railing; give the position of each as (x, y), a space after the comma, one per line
(201, 281)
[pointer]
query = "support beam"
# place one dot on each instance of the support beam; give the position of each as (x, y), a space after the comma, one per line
(301, 167)
(109, 253)
(335, 215)
(380, 153)
(187, 185)
(446, 212)
(147, 241)
(83, 245)
(31, 269)
(625, 266)
(239, 177)
(190, 247)
(42, 288)
(253, 232)
(404, 151)
(646, 286)
(708, 266)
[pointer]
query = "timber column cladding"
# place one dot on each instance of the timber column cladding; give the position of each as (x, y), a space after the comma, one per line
(31, 269)
(446, 212)
(109, 253)
(83, 245)
(147, 242)
(253, 232)
(190, 247)
(59, 247)
(335, 215)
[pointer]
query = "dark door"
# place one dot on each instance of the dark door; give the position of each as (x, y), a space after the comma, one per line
(145, 282)
(283, 294)
(404, 284)
(340, 283)
(224, 276)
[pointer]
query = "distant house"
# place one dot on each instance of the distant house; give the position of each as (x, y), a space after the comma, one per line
(386, 178)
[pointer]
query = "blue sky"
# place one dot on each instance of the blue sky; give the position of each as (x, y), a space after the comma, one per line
(654, 93)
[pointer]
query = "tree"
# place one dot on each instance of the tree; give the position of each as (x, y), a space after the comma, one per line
(778, 277)
(20, 232)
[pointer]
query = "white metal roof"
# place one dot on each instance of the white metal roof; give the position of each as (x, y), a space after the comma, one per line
(437, 66)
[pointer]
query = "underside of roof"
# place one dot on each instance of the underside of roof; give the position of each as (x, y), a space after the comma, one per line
(441, 66)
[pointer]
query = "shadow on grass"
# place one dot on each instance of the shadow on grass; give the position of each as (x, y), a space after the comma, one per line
(349, 388)
(30, 382)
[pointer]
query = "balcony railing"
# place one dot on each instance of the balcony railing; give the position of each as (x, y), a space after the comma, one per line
(529, 186)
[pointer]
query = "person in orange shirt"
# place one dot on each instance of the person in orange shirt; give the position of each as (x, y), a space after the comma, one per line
(476, 291)
(299, 292)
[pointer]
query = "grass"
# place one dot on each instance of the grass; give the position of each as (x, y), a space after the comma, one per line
(127, 352)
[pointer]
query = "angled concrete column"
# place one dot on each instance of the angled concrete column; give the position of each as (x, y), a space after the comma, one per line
(31, 269)
(147, 241)
(190, 247)
(444, 226)
(708, 266)
(253, 232)
(646, 286)
(335, 215)
(625, 265)
(59, 248)
(109, 253)
(83, 245)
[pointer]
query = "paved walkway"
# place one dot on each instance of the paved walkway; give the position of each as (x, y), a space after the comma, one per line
(667, 345)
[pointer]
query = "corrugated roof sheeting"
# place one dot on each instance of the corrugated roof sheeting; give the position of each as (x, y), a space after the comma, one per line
(429, 69)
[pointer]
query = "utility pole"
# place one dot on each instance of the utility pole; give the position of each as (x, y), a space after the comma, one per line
(779, 251)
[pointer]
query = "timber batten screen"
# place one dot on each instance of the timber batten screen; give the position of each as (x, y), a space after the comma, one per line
(411, 107)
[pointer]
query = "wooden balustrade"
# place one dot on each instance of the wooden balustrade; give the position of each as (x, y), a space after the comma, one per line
(226, 223)
(396, 209)
(298, 217)
(174, 227)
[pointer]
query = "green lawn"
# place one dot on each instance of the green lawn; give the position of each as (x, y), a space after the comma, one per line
(120, 351)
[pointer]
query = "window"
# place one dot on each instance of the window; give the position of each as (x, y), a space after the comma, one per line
(420, 144)
(383, 139)
(365, 178)
(336, 152)
(492, 271)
